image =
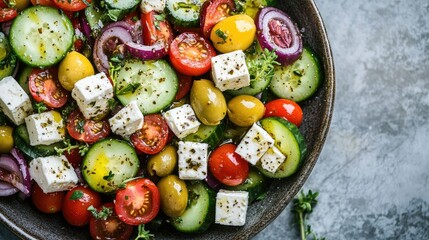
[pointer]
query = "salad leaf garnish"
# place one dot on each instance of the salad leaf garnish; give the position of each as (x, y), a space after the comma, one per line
(40, 107)
(103, 214)
(260, 63)
(221, 34)
(83, 148)
(143, 233)
(76, 195)
(303, 205)
(130, 88)
(109, 176)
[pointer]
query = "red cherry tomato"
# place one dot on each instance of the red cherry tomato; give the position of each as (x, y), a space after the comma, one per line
(7, 14)
(190, 54)
(74, 157)
(212, 12)
(286, 109)
(86, 130)
(155, 29)
(46, 202)
(227, 166)
(45, 87)
(153, 136)
(76, 204)
(71, 5)
(185, 83)
(110, 227)
(138, 202)
(43, 2)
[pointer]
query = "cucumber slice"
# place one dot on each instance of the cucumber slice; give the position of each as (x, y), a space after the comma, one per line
(289, 141)
(94, 17)
(7, 59)
(184, 13)
(23, 78)
(122, 4)
(22, 141)
(41, 36)
(299, 80)
(108, 163)
(200, 212)
(256, 184)
(211, 135)
(153, 84)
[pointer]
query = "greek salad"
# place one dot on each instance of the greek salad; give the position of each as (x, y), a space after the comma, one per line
(121, 115)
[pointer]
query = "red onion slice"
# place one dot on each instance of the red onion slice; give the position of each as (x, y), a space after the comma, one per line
(6, 189)
(213, 182)
(144, 52)
(10, 173)
(276, 31)
(23, 167)
(113, 32)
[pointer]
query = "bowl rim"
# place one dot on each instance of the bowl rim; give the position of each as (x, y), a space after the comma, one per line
(312, 157)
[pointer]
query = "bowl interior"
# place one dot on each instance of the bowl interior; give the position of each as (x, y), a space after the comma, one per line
(23, 219)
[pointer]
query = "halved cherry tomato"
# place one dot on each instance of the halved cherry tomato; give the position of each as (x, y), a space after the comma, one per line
(156, 28)
(86, 130)
(286, 109)
(185, 83)
(76, 204)
(7, 14)
(71, 5)
(138, 202)
(46, 202)
(153, 136)
(43, 2)
(212, 12)
(227, 166)
(45, 87)
(190, 54)
(110, 227)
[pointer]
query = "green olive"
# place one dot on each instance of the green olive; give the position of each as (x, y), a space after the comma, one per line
(174, 195)
(163, 163)
(208, 102)
(244, 110)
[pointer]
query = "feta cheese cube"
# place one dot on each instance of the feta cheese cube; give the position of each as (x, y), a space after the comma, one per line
(14, 101)
(128, 120)
(229, 71)
(45, 128)
(254, 144)
(193, 159)
(92, 95)
(53, 173)
(182, 120)
(151, 5)
(231, 207)
(272, 159)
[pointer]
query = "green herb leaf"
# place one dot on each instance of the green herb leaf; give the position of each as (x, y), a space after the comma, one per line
(130, 88)
(76, 195)
(109, 177)
(40, 107)
(260, 63)
(103, 214)
(303, 205)
(222, 35)
(143, 233)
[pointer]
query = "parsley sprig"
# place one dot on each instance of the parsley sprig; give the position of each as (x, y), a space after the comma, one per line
(303, 205)
(83, 148)
(143, 233)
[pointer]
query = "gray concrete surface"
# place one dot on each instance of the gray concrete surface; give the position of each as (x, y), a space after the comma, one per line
(373, 172)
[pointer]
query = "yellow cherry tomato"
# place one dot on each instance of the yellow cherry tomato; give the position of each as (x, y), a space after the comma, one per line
(73, 68)
(6, 140)
(233, 33)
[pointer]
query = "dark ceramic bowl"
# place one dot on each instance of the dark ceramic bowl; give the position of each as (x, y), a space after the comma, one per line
(26, 222)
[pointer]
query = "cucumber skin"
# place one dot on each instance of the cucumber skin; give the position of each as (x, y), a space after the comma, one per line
(300, 141)
(209, 218)
(256, 184)
(212, 140)
(172, 17)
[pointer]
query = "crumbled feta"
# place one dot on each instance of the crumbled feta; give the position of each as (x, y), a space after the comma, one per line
(231, 207)
(128, 120)
(45, 128)
(272, 159)
(92, 95)
(254, 144)
(182, 120)
(53, 173)
(151, 5)
(193, 159)
(229, 71)
(14, 101)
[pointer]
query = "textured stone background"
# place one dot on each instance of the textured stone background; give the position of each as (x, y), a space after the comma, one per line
(372, 174)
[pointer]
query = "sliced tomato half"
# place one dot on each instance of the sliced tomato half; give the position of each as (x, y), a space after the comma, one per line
(72, 5)
(190, 54)
(43, 2)
(86, 130)
(138, 202)
(212, 12)
(156, 28)
(7, 14)
(185, 83)
(153, 137)
(107, 225)
(45, 87)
